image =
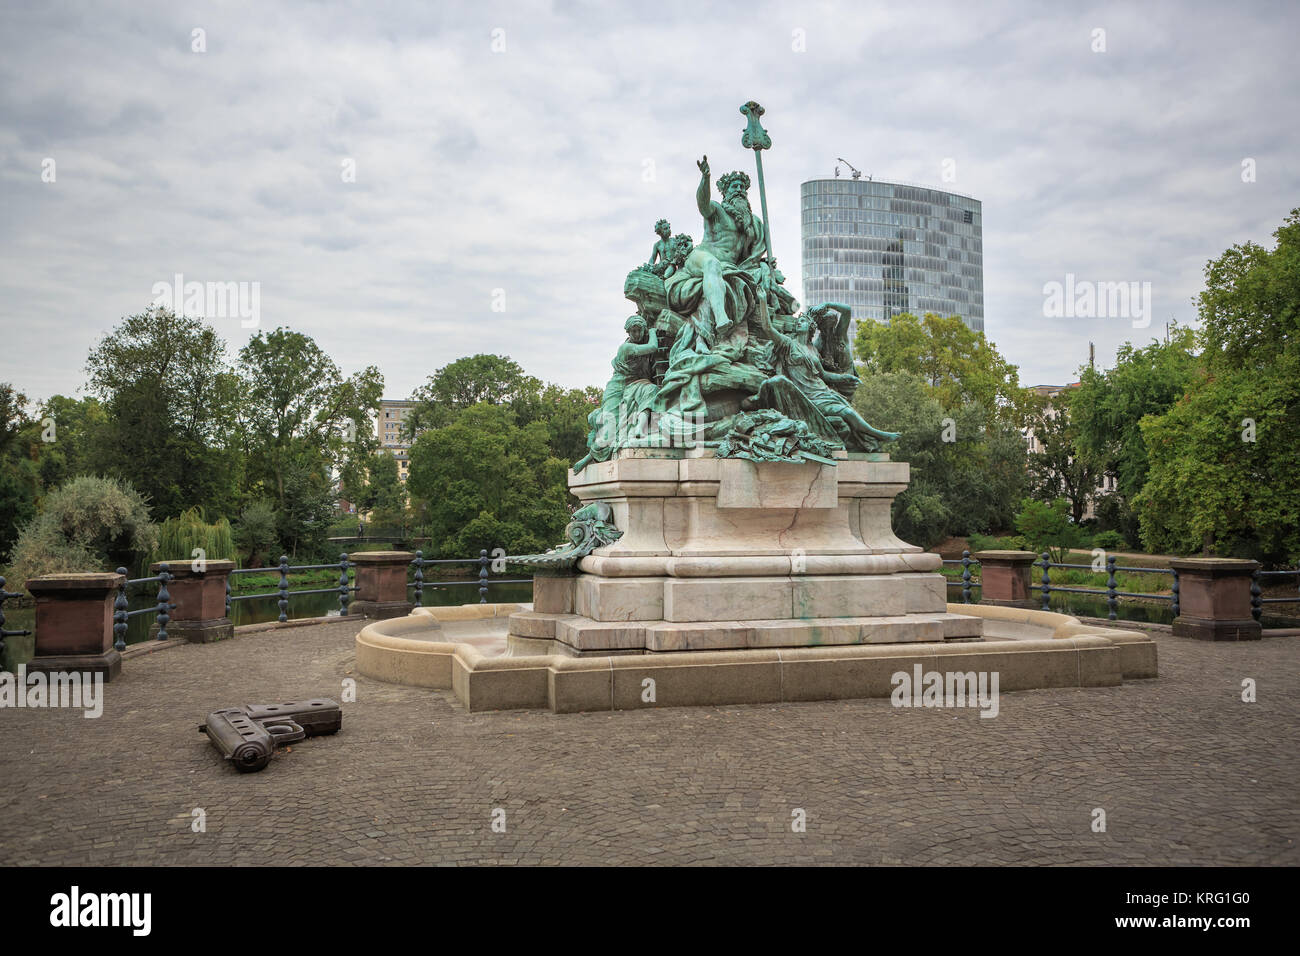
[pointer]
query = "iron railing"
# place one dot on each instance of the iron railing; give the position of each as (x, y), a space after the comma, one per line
(966, 582)
(483, 562)
(3, 632)
(1257, 600)
(1046, 588)
(1111, 589)
(284, 593)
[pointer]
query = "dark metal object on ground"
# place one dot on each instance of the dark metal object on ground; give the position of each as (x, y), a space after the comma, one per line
(248, 736)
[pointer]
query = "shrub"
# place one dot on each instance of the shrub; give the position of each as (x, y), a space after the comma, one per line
(1048, 527)
(1109, 541)
(256, 536)
(88, 524)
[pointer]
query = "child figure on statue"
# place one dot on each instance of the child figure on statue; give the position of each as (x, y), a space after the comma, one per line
(627, 395)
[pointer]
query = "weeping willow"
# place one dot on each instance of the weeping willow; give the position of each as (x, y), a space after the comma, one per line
(179, 537)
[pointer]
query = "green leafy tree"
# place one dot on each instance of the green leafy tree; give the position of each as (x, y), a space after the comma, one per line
(1222, 473)
(474, 380)
(298, 404)
(1223, 476)
(300, 420)
(80, 445)
(170, 400)
(1106, 413)
(20, 484)
(1056, 468)
(565, 412)
(959, 364)
(385, 495)
(966, 475)
(486, 482)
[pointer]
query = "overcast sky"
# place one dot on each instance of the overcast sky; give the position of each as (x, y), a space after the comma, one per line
(539, 167)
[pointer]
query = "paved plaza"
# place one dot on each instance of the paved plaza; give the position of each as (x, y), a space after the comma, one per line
(1186, 772)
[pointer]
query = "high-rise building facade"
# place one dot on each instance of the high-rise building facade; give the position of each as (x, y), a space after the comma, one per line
(388, 428)
(886, 248)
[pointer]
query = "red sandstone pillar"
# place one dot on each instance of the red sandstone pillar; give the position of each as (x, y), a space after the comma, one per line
(381, 583)
(1214, 599)
(200, 599)
(1006, 578)
(74, 623)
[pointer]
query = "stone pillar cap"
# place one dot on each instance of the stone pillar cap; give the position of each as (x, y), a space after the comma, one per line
(183, 567)
(76, 581)
(381, 557)
(1214, 565)
(1013, 556)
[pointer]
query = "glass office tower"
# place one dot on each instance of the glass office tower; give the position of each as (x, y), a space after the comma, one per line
(885, 248)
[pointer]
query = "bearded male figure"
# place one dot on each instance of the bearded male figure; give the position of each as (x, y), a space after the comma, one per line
(719, 277)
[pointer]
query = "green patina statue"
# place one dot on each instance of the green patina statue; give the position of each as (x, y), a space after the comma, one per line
(663, 248)
(591, 527)
(720, 353)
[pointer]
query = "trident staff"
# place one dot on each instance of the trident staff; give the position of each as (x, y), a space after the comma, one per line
(756, 138)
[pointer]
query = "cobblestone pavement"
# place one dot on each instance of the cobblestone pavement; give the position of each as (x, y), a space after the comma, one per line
(1186, 772)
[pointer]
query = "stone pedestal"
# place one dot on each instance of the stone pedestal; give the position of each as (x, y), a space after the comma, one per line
(1006, 578)
(200, 598)
(720, 554)
(381, 583)
(1214, 599)
(74, 624)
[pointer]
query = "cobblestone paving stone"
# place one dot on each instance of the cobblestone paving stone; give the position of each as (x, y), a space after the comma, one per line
(1186, 772)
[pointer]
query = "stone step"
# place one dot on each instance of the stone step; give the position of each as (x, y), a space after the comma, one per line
(583, 634)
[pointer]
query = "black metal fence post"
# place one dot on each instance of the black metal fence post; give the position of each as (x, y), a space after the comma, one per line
(284, 588)
(965, 577)
(1112, 601)
(164, 601)
(227, 595)
(1256, 606)
(482, 576)
(343, 584)
(4, 633)
(419, 578)
(1047, 581)
(120, 606)
(1174, 603)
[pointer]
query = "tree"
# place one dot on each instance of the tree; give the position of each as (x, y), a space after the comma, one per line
(1222, 473)
(565, 412)
(79, 446)
(1107, 409)
(474, 380)
(300, 420)
(966, 475)
(19, 475)
(1056, 468)
(384, 496)
(486, 482)
(959, 364)
(170, 400)
(1223, 467)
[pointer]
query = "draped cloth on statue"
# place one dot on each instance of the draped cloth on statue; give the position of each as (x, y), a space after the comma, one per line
(786, 397)
(801, 391)
(685, 293)
(692, 375)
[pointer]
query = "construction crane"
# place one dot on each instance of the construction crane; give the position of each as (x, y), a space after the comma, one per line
(857, 174)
